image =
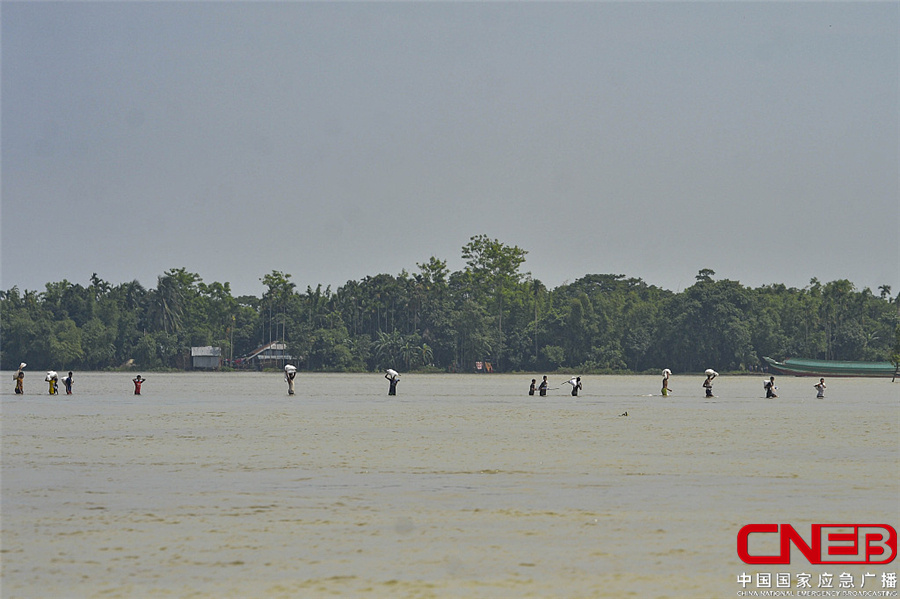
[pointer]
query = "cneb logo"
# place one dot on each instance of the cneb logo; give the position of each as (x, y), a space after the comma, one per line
(828, 544)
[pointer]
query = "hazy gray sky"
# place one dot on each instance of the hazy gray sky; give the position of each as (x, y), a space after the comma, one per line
(338, 140)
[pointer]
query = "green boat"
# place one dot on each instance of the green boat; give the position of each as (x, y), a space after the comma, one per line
(804, 367)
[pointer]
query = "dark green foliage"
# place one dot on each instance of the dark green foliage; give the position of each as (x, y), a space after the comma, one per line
(437, 319)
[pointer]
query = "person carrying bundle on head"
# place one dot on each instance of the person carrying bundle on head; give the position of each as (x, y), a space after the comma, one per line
(19, 378)
(290, 372)
(707, 384)
(53, 379)
(393, 378)
(576, 385)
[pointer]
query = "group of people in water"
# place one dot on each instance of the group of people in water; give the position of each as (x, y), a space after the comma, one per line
(545, 386)
(52, 379)
(769, 385)
(290, 374)
(393, 377)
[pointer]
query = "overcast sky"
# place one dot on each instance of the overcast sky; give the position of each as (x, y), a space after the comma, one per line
(333, 141)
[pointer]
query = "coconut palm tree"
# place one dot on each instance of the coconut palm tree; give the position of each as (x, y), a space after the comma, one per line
(166, 304)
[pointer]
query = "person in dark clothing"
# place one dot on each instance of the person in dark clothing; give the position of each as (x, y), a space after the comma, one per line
(576, 386)
(393, 379)
(707, 384)
(542, 388)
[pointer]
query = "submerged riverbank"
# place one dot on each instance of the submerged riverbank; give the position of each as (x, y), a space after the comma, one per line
(223, 486)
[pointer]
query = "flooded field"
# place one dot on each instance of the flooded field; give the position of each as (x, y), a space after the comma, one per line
(221, 485)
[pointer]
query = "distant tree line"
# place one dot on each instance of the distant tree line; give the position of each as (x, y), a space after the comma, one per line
(440, 320)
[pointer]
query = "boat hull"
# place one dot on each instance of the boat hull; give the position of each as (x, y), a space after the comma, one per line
(803, 367)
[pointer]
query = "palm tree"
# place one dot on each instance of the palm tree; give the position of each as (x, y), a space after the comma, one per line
(166, 304)
(427, 354)
(409, 352)
(133, 295)
(388, 348)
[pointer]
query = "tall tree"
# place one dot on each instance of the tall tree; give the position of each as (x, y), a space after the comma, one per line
(494, 267)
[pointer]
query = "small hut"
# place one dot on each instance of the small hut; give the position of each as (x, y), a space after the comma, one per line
(206, 358)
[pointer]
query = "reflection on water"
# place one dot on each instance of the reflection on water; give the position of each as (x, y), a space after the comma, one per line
(461, 485)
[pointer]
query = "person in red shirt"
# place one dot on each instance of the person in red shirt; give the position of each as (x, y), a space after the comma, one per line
(137, 384)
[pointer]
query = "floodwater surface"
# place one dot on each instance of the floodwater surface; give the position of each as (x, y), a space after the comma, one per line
(221, 485)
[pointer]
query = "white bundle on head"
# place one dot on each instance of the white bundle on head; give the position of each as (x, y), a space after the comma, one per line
(667, 372)
(290, 368)
(711, 372)
(393, 373)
